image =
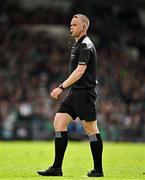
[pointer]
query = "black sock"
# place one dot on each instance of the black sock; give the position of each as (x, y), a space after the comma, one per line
(96, 149)
(60, 147)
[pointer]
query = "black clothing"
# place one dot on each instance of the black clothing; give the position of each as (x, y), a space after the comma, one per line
(51, 171)
(96, 149)
(60, 147)
(80, 103)
(83, 52)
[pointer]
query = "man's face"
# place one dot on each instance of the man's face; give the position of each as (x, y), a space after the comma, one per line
(76, 27)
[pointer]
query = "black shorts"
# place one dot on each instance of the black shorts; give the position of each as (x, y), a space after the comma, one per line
(80, 103)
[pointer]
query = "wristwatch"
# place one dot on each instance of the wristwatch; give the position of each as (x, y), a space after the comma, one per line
(61, 87)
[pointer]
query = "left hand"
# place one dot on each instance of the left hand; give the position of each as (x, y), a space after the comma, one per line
(56, 92)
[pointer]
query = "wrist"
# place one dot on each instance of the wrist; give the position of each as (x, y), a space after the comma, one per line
(61, 87)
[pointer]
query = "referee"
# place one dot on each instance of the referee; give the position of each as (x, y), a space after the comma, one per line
(80, 101)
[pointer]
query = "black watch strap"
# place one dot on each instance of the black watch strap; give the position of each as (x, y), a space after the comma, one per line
(61, 87)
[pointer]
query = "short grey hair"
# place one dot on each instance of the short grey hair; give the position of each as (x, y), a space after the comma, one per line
(84, 18)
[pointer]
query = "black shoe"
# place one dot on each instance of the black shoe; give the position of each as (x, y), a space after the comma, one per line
(94, 173)
(51, 171)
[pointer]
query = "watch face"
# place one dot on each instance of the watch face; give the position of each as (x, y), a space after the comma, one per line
(61, 87)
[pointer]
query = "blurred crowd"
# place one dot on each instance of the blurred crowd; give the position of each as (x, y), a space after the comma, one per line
(32, 64)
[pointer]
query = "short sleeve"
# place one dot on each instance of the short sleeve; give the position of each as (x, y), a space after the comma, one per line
(83, 57)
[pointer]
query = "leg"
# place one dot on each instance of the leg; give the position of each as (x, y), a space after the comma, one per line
(96, 145)
(90, 127)
(60, 125)
(61, 121)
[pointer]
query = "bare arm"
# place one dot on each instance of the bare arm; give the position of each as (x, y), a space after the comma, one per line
(75, 76)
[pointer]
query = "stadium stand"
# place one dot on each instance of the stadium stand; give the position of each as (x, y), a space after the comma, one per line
(33, 62)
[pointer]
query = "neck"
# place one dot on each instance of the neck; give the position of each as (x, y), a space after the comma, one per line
(77, 38)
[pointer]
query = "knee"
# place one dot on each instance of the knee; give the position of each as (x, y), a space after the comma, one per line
(59, 125)
(60, 122)
(91, 128)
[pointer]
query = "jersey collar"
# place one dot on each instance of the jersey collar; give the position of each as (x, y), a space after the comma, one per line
(81, 39)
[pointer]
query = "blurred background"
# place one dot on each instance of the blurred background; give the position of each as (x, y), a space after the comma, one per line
(34, 56)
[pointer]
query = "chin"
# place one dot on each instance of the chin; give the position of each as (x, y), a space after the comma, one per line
(73, 35)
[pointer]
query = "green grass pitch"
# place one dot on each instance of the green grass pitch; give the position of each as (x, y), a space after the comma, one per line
(21, 160)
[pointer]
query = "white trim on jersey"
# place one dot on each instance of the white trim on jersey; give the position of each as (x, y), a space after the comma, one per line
(88, 42)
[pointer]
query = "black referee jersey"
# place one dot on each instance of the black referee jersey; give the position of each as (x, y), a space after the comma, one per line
(83, 52)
